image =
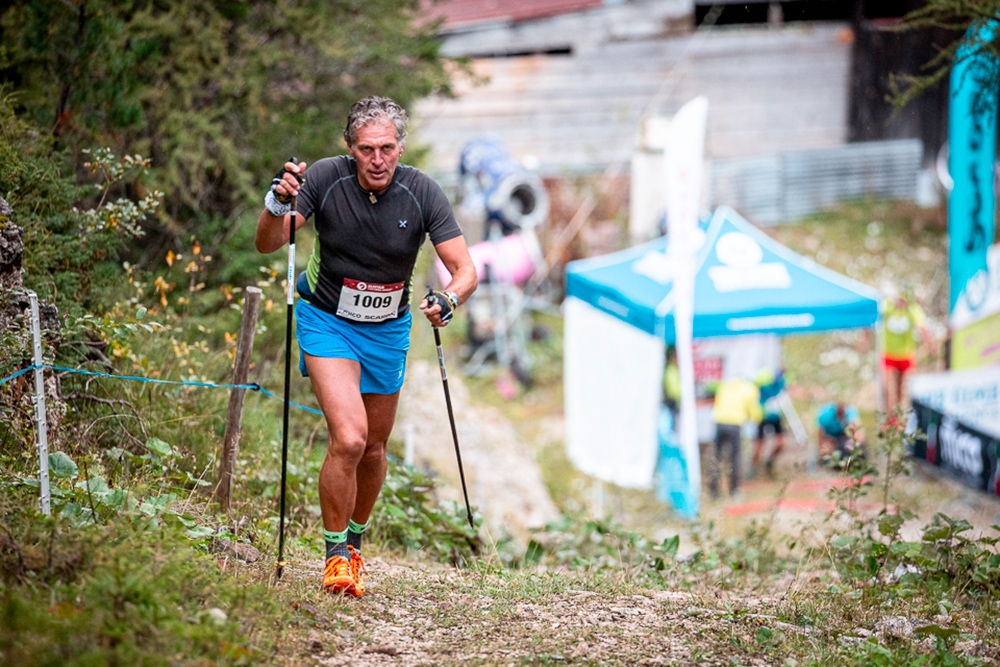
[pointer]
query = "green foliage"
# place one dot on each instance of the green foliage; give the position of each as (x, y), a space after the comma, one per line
(950, 15)
(216, 93)
(596, 546)
(406, 519)
(125, 593)
(95, 492)
(71, 256)
(944, 569)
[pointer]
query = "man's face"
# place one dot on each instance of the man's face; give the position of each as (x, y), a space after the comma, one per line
(377, 153)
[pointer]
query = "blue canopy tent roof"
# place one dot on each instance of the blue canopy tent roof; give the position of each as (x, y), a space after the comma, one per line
(745, 282)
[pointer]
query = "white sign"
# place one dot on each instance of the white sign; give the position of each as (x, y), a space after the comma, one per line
(683, 163)
(972, 396)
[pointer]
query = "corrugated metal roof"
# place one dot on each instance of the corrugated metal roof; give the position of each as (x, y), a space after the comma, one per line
(460, 13)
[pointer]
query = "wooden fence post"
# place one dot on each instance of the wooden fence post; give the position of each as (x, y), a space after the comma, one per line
(234, 414)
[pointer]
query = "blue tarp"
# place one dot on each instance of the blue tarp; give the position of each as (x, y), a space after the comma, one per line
(746, 282)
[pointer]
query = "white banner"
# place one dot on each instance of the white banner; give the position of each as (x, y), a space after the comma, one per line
(972, 396)
(684, 158)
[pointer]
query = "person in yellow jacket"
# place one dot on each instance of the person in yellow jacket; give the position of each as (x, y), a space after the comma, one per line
(737, 401)
(672, 383)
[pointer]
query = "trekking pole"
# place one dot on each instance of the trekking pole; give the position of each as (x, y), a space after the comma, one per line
(290, 302)
(451, 414)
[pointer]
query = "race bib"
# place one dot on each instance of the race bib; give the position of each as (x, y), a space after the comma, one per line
(897, 324)
(369, 302)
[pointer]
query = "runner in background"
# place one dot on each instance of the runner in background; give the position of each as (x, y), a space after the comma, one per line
(737, 401)
(902, 319)
(840, 429)
(770, 387)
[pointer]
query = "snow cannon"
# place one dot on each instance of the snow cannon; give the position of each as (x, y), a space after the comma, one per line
(500, 187)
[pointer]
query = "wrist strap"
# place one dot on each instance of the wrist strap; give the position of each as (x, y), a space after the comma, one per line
(275, 207)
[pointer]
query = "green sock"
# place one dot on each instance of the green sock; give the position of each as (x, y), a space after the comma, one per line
(354, 532)
(336, 544)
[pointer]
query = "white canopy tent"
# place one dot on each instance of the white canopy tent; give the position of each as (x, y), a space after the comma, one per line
(619, 319)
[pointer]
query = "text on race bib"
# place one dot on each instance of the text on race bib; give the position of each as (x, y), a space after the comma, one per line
(369, 302)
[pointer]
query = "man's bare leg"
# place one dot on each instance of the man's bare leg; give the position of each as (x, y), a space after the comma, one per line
(381, 411)
(900, 387)
(336, 383)
(893, 383)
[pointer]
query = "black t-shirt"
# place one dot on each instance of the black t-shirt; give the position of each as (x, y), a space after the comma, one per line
(365, 251)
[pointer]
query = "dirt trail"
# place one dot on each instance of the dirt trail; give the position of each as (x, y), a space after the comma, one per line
(428, 614)
(433, 615)
(416, 613)
(501, 473)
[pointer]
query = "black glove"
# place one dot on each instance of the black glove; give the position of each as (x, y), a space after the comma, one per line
(285, 199)
(447, 300)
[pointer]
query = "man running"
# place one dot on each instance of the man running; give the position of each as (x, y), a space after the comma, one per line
(372, 215)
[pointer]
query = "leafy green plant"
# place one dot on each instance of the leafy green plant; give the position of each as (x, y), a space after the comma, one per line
(407, 519)
(864, 548)
(944, 567)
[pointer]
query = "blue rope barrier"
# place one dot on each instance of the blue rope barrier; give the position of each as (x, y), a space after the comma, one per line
(16, 375)
(139, 378)
(291, 403)
(252, 386)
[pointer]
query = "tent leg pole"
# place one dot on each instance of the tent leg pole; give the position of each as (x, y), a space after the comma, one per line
(597, 499)
(879, 371)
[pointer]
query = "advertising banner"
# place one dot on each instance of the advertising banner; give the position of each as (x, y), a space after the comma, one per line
(972, 396)
(683, 163)
(963, 452)
(977, 345)
(972, 129)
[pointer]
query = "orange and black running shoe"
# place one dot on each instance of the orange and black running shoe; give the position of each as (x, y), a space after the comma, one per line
(338, 576)
(357, 569)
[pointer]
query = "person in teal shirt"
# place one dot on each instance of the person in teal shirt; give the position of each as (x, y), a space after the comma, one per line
(839, 429)
(770, 386)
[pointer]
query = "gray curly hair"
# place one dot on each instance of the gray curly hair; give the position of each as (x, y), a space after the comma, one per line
(377, 109)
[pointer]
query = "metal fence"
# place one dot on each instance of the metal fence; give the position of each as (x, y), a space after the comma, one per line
(791, 185)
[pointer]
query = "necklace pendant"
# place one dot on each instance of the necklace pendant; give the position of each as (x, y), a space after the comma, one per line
(371, 197)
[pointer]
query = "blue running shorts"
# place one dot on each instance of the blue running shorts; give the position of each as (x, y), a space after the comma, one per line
(380, 347)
